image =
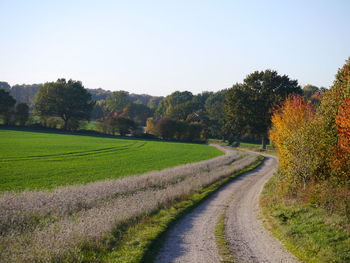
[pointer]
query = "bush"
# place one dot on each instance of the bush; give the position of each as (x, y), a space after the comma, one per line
(113, 123)
(169, 129)
(51, 122)
(166, 128)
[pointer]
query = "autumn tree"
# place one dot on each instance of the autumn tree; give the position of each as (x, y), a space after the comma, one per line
(150, 125)
(342, 160)
(314, 147)
(298, 138)
(166, 128)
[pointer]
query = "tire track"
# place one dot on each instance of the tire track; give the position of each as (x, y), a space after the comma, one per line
(61, 156)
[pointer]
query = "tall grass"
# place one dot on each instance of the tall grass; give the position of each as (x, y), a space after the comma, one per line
(53, 225)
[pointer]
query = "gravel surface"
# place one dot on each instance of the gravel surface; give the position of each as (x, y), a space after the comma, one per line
(192, 239)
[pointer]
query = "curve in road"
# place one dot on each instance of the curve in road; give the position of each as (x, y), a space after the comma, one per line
(192, 239)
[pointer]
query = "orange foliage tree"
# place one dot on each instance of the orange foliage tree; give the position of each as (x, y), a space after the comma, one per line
(341, 160)
(343, 125)
(293, 116)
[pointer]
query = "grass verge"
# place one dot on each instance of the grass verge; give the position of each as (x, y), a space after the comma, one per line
(312, 234)
(139, 240)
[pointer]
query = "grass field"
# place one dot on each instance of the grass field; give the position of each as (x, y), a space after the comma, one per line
(42, 160)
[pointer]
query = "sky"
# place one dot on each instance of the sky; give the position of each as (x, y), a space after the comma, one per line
(157, 47)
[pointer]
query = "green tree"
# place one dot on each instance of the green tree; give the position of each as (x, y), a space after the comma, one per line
(181, 111)
(117, 101)
(201, 98)
(172, 100)
(99, 110)
(67, 100)
(6, 105)
(313, 94)
(124, 125)
(5, 86)
(22, 113)
(137, 112)
(214, 106)
(154, 102)
(249, 106)
(25, 93)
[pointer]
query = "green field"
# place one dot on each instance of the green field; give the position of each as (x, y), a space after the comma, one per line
(42, 160)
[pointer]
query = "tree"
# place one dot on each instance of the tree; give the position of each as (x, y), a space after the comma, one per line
(342, 160)
(154, 102)
(181, 111)
(137, 112)
(5, 86)
(313, 94)
(166, 128)
(214, 106)
(113, 123)
(67, 100)
(201, 98)
(22, 113)
(124, 125)
(249, 106)
(99, 110)
(6, 105)
(172, 100)
(25, 93)
(333, 114)
(150, 126)
(117, 101)
(296, 135)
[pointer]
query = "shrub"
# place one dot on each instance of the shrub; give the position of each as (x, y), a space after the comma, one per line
(166, 128)
(112, 124)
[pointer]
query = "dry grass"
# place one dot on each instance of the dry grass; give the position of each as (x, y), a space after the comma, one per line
(52, 225)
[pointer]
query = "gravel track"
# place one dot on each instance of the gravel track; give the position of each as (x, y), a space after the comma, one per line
(192, 239)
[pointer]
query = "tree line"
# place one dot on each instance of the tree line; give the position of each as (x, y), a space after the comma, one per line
(239, 113)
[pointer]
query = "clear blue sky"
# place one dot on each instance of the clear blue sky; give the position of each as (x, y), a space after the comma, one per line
(157, 47)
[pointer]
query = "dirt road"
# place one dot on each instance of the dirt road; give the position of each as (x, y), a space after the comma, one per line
(192, 240)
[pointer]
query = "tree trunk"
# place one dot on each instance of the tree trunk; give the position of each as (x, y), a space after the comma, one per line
(65, 123)
(263, 143)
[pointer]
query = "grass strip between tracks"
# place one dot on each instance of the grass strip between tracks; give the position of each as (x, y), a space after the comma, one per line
(139, 239)
(221, 242)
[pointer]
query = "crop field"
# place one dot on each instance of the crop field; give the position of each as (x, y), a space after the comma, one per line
(63, 224)
(44, 160)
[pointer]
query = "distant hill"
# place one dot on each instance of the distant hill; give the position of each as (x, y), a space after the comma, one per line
(26, 93)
